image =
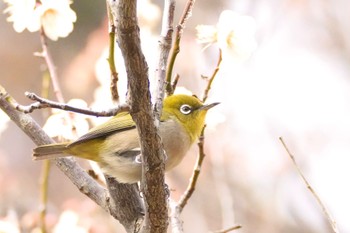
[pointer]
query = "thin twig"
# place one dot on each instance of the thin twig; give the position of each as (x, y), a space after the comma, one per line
(211, 79)
(44, 183)
(174, 84)
(112, 66)
(228, 229)
(45, 103)
(176, 45)
(111, 60)
(330, 219)
(46, 166)
(50, 66)
(164, 46)
(58, 93)
(195, 175)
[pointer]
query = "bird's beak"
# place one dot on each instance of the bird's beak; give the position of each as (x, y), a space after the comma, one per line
(208, 106)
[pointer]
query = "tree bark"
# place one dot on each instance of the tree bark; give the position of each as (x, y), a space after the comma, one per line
(127, 204)
(152, 185)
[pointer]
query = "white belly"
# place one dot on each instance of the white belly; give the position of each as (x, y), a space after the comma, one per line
(127, 169)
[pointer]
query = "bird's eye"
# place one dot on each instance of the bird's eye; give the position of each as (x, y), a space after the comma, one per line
(185, 109)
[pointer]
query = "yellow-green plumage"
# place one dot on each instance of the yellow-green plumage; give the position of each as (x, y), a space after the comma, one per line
(115, 143)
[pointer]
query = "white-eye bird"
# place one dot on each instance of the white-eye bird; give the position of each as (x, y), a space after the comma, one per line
(115, 145)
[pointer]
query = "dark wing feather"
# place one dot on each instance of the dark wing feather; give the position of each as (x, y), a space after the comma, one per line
(119, 123)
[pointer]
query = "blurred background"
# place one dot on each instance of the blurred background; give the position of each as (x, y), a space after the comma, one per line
(295, 85)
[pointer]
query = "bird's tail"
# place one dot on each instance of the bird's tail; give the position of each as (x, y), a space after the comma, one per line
(50, 151)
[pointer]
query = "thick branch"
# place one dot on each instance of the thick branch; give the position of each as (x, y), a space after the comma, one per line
(152, 184)
(70, 168)
(127, 204)
(118, 201)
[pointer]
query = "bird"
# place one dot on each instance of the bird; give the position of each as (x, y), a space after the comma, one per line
(115, 144)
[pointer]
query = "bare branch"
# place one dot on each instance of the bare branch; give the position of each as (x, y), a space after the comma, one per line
(228, 229)
(86, 184)
(330, 219)
(45, 103)
(152, 184)
(126, 202)
(176, 222)
(112, 66)
(51, 67)
(176, 45)
(174, 84)
(186, 14)
(44, 183)
(211, 79)
(58, 93)
(111, 61)
(195, 175)
(75, 173)
(164, 47)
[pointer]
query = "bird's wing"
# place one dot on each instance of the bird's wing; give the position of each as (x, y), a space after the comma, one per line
(119, 123)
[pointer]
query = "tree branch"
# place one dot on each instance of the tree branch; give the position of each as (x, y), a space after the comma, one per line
(325, 211)
(201, 155)
(111, 60)
(211, 79)
(75, 173)
(175, 220)
(50, 65)
(165, 42)
(228, 229)
(53, 77)
(45, 103)
(44, 186)
(194, 178)
(152, 184)
(127, 204)
(176, 46)
(177, 209)
(117, 201)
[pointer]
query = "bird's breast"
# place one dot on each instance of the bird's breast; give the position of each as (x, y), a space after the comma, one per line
(118, 161)
(176, 142)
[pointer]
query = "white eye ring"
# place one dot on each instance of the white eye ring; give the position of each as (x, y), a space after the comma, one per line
(185, 109)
